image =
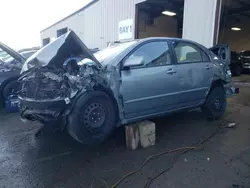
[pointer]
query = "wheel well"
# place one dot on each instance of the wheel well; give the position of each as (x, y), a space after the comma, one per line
(5, 82)
(110, 94)
(217, 83)
(3, 85)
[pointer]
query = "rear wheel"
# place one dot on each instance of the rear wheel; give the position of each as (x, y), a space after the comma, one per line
(215, 104)
(93, 118)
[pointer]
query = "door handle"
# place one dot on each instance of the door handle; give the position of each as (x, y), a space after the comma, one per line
(171, 71)
(208, 67)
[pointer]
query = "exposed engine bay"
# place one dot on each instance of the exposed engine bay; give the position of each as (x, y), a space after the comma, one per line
(53, 77)
(50, 83)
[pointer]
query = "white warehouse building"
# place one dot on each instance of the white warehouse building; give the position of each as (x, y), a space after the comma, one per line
(105, 21)
(96, 23)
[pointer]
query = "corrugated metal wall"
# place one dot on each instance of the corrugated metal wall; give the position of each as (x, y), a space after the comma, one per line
(200, 21)
(98, 24)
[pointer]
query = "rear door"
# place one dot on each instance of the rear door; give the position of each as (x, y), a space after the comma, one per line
(195, 71)
(153, 87)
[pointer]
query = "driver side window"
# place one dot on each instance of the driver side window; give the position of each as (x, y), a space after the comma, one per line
(151, 54)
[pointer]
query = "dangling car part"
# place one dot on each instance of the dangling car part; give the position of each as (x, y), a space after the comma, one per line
(91, 95)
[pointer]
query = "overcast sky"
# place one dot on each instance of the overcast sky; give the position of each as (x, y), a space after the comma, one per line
(22, 20)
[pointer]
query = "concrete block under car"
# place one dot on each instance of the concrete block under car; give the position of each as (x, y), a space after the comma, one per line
(147, 133)
(140, 134)
(132, 136)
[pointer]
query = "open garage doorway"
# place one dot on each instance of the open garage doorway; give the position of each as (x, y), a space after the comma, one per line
(159, 18)
(235, 31)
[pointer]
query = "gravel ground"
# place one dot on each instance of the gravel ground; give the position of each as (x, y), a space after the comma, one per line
(55, 160)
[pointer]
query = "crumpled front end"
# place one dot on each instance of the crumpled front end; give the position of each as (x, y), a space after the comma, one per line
(52, 79)
(47, 93)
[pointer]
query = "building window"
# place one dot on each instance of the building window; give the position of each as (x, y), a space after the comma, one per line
(62, 31)
(46, 41)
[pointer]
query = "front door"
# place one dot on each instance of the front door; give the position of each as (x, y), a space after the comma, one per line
(195, 72)
(153, 86)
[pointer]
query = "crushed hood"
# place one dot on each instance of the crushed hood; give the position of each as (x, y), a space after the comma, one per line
(57, 52)
(53, 73)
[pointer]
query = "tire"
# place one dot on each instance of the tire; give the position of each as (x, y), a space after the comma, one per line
(238, 71)
(10, 89)
(215, 104)
(93, 118)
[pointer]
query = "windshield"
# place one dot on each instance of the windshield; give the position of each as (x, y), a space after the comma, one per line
(10, 62)
(109, 52)
(245, 53)
(4, 55)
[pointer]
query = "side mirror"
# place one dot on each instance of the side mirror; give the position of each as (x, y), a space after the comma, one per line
(133, 62)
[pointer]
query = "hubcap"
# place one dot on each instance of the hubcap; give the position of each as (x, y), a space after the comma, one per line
(216, 103)
(94, 117)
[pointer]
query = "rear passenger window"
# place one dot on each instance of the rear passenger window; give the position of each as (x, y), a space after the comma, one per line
(188, 53)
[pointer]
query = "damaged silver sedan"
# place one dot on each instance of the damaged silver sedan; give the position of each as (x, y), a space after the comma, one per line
(63, 84)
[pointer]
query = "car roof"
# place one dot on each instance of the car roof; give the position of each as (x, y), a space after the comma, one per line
(166, 38)
(173, 38)
(155, 38)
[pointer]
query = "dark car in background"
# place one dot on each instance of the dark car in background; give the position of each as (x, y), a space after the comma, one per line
(10, 67)
(245, 59)
(236, 64)
(10, 60)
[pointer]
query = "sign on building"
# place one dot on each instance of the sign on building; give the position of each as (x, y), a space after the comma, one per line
(125, 29)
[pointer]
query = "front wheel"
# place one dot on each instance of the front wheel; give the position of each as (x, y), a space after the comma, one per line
(93, 118)
(215, 104)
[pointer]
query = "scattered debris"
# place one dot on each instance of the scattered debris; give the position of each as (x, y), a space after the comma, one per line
(67, 100)
(231, 125)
